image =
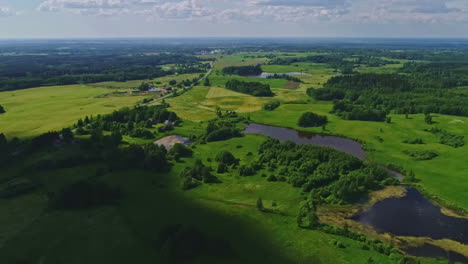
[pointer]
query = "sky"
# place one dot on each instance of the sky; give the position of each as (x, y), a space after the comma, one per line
(233, 18)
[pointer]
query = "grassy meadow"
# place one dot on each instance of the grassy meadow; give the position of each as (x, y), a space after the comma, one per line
(35, 111)
(127, 233)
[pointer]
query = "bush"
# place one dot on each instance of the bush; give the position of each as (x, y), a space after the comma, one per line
(417, 141)
(180, 151)
(246, 171)
(421, 155)
(270, 106)
(310, 119)
(272, 178)
(227, 158)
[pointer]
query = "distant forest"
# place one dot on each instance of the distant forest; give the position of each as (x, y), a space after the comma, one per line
(26, 71)
(418, 88)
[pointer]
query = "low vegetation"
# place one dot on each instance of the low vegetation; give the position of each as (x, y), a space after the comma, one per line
(421, 155)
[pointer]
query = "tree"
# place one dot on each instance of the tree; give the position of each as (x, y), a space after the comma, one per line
(2, 110)
(428, 119)
(227, 158)
(310, 119)
(207, 82)
(67, 135)
(313, 218)
(388, 120)
(144, 87)
(173, 82)
(260, 204)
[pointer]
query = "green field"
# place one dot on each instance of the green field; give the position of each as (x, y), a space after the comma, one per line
(34, 111)
(126, 233)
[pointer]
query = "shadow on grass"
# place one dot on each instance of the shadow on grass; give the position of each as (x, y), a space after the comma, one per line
(151, 225)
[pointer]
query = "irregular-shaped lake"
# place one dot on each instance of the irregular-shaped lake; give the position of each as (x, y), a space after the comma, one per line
(414, 215)
(307, 138)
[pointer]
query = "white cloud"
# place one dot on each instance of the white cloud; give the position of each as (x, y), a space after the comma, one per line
(6, 12)
(295, 11)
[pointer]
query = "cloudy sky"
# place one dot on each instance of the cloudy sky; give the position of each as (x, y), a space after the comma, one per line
(249, 18)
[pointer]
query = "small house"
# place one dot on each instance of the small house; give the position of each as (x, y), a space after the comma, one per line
(168, 88)
(154, 90)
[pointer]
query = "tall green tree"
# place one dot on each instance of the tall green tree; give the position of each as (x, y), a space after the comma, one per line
(260, 204)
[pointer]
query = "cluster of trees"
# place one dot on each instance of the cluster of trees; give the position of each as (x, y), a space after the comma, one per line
(270, 106)
(2, 110)
(20, 72)
(243, 70)
(252, 88)
(224, 127)
(310, 119)
(349, 111)
(191, 68)
(331, 176)
(134, 122)
(196, 175)
(378, 94)
(225, 160)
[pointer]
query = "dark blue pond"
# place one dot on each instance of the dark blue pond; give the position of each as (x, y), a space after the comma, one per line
(414, 215)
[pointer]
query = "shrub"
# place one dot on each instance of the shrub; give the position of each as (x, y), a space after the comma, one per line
(272, 178)
(180, 151)
(421, 155)
(270, 106)
(310, 119)
(227, 158)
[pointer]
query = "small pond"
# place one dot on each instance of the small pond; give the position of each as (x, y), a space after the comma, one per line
(265, 75)
(414, 215)
(308, 138)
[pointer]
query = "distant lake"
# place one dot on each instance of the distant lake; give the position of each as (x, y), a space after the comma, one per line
(265, 75)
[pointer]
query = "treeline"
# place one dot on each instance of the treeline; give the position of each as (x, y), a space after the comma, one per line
(252, 88)
(20, 72)
(371, 96)
(330, 176)
(134, 122)
(243, 70)
(191, 68)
